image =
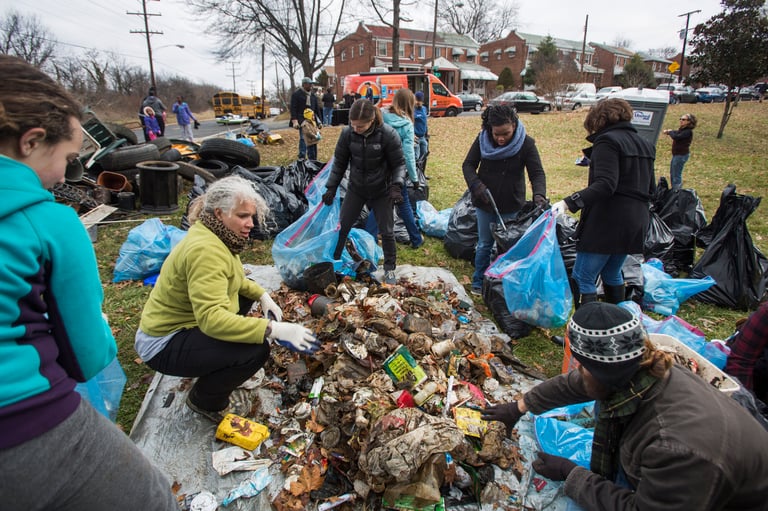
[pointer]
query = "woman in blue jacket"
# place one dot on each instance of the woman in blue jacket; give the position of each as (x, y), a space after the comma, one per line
(56, 451)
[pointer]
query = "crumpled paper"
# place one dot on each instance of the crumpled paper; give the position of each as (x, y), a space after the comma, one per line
(236, 459)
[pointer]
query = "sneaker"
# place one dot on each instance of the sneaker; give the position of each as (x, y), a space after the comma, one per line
(216, 417)
(417, 245)
(477, 291)
(389, 277)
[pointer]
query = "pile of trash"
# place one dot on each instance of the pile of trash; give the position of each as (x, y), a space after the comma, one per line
(386, 415)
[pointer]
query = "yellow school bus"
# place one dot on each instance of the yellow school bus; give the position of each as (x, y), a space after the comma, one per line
(237, 104)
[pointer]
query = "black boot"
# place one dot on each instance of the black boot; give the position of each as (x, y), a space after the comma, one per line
(614, 294)
(586, 298)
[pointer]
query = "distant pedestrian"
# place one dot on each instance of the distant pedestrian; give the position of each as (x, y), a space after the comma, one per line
(151, 100)
(328, 101)
(301, 99)
(184, 119)
(420, 129)
(151, 125)
(681, 148)
(368, 92)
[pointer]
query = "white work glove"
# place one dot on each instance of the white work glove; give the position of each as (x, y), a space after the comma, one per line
(558, 208)
(268, 306)
(294, 337)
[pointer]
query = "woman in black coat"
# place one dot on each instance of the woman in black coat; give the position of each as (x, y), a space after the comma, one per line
(615, 203)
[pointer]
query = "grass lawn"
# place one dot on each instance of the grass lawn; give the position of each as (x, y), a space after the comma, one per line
(740, 157)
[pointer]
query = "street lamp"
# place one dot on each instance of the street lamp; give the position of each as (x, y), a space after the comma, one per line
(151, 64)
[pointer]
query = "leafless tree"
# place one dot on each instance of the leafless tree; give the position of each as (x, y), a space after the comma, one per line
(26, 37)
(397, 17)
(666, 52)
(622, 42)
(482, 20)
(305, 30)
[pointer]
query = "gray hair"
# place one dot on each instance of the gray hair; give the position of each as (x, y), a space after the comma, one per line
(226, 194)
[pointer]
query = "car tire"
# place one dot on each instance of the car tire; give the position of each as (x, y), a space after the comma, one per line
(127, 157)
(451, 112)
(546, 108)
(230, 151)
(577, 106)
(478, 107)
(121, 131)
(217, 168)
(188, 172)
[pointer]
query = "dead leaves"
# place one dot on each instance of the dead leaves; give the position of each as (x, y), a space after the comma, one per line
(310, 479)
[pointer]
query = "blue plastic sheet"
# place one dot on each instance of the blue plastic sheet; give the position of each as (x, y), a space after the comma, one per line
(664, 294)
(567, 432)
(534, 278)
(105, 390)
(433, 222)
(145, 250)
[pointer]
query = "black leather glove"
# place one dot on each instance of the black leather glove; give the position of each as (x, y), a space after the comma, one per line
(480, 192)
(328, 196)
(508, 413)
(396, 193)
(540, 200)
(554, 468)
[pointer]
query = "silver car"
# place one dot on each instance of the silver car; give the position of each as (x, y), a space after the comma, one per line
(578, 100)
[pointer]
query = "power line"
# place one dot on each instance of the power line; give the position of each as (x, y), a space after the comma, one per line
(147, 33)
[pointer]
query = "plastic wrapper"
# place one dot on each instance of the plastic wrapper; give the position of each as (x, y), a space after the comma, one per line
(105, 390)
(567, 432)
(249, 488)
(663, 294)
(433, 222)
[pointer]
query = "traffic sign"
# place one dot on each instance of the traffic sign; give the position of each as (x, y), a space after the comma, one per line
(674, 66)
(437, 74)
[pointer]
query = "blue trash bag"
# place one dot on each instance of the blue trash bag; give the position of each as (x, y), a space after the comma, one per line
(682, 331)
(105, 390)
(433, 222)
(567, 432)
(312, 239)
(664, 294)
(145, 250)
(534, 278)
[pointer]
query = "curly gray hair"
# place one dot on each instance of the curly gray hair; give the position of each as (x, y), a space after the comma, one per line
(226, 194)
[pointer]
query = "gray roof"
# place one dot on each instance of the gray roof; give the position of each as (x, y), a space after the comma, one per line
(457, 40)
(613, 49)
(535, 40)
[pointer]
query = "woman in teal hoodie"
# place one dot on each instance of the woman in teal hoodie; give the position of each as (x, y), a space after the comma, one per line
(56, 451)
(400, 117)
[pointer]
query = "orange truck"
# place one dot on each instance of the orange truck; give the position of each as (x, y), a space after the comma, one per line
(438, 99)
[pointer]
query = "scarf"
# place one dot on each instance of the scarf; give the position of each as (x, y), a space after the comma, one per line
(233, 241)
(489, 151)
(613, 416)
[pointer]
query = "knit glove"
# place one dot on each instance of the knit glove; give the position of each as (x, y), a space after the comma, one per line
(554, 468)
(540, 200)
(508, 413)
(480, 192)
(294, 337)
(328, 196)
(396, 193)
(269, 308)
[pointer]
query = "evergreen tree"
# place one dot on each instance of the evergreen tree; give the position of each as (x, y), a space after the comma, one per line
(637, 73)
(506, 79)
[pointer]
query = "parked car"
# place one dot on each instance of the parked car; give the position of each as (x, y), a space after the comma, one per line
(749, 94)
(710, 95)
(579, 100)
(471, 101)
(679, 93)
(523, 102)
(607, 91)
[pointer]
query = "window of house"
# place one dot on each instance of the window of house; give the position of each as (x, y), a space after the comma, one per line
(361, 49)
(422, 52)
(382, 48)
(470, 59)
(401, 50)
(343, 55)
(438, 52)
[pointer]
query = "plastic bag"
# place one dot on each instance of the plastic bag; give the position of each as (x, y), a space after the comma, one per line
(736, 264)
(663, 294)
(567, 432)
(514, 229)
(105, 390)
(683, 213)
(433, 222)
(535, 283)
(659, 239)
(461, 235)
(312, 239)
(145, 250)
(493, 296)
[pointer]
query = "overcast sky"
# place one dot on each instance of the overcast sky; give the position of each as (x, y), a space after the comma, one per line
(104, 24)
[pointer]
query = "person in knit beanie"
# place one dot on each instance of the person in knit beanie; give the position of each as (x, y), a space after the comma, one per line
(664, 438)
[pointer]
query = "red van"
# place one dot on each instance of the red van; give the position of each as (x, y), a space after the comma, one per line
(437, 98)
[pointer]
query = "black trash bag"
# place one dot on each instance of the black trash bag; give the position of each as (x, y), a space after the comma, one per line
(296, 177)
(461, 235)
(198, 188)
(493, 296)
(658, 239)
(566, 228)
(284, 208)
(683, 213)
(634, 283)
(506, 239)
(706, 234)
(739, 268)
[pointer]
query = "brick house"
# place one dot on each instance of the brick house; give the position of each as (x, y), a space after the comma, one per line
(611, 60)
(370, 47)
(659, 66)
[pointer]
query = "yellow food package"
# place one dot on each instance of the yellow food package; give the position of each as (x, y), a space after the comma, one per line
(241, 431)
(469, 422)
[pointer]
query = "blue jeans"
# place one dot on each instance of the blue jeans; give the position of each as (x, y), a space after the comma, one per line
(421, 147)
(405, 211)
(485, 242)
(302, 145)
(589, 265)
(676, 170)
(327, 115)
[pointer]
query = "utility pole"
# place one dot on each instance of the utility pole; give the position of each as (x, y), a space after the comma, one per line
(434, 35)
(234, 85)
(264, 112)
(147, 32)
(583, 49)
(685, 40)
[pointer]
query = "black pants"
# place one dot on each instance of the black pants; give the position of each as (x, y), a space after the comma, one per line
(385, 219)
(220, 366)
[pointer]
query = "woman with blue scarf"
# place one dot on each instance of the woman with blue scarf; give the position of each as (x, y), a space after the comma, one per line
(494, 167)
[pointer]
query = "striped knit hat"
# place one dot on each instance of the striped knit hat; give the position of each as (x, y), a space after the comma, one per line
(608, 341)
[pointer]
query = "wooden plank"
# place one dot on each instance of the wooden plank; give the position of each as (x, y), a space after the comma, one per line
(96, 215)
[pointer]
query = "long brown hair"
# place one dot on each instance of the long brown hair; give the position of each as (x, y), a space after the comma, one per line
(403, 103)
(606, 113)
(364, 110)
(30, 99)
